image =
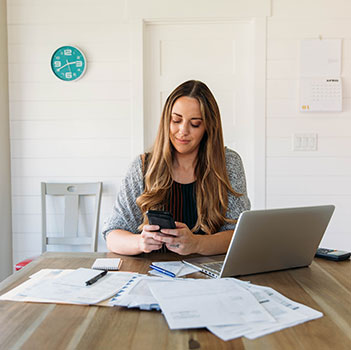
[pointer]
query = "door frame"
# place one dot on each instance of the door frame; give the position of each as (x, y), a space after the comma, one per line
(137, 88)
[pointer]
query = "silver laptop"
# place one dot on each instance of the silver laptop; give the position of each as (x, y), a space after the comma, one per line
(269, 240)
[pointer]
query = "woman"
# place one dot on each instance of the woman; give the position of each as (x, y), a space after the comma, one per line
(190, 173)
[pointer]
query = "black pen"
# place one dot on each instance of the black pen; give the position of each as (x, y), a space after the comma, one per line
(96, 278)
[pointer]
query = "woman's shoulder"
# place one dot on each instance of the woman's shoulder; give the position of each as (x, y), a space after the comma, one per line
(235, 170)
(138, 165)
(231, 156)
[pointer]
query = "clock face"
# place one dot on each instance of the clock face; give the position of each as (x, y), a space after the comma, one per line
(68, 63)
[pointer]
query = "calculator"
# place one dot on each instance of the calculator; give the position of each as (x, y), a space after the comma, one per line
(332, 254)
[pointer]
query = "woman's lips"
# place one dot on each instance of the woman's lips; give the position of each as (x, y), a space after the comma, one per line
(183, 141)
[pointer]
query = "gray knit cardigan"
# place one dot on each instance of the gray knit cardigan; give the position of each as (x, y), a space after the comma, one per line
(126, 214)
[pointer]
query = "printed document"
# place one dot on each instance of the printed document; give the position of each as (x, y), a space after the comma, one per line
(287, 313)
(43, 288)
(202, 303)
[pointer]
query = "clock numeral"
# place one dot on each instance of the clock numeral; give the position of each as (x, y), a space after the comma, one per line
(57, 64)
(68, 75)
(67, 52)
(79, 64)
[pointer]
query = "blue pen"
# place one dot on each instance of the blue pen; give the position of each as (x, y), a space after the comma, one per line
(160, 269)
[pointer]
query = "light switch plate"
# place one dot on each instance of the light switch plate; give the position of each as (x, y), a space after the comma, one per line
(305, 142)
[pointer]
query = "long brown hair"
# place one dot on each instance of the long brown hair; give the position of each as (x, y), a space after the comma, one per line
(212, 182)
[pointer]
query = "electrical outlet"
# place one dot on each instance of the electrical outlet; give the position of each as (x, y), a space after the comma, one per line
(305, 142)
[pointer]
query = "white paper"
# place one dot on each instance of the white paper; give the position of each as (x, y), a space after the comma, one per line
(78, 277)
(107, 264)
(321, 94)
(177, 267)
(202, 303)
(320, 58)
(136, 294)
(44, 289)
(287, 313)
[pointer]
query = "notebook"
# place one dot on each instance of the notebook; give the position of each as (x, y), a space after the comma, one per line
(269, 240)
(107, 264)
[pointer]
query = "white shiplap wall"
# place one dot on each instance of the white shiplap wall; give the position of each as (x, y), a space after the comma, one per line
(82, 131)
(5, 176)
(64, 132)
(322, 176)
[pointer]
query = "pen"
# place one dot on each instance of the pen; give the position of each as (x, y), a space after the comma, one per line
(160, 269)
(96, 278)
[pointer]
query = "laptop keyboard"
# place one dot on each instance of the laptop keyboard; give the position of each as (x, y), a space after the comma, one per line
(214, 266)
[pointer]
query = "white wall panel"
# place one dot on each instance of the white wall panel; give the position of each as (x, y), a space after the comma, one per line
(314, 186)
(282, 49)
(282, 89)
(311, 9)
(329, 166)
(75, 167)
(59, 90)
(68, 110)
(5, 175)
(332, 126)
(89, 11)
(327, 147)
(296, 28)
(70, 129)
(288, 108)
(56, 33)
(97, 72)
(94, 51)
(70, 148)
(316, 177)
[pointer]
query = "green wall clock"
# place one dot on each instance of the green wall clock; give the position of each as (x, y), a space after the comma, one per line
(68, 63)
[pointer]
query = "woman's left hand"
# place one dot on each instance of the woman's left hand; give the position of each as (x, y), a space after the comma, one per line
(179, 240)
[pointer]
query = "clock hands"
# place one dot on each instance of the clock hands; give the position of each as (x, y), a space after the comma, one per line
(67, 64)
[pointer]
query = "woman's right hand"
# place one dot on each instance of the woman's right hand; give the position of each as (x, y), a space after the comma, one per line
(147, 243)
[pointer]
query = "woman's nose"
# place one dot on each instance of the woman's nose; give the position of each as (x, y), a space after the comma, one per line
(184, 129)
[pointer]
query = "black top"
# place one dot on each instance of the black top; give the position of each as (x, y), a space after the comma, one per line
(182, 203)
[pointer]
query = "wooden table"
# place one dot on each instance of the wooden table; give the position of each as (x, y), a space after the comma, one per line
(325, 286)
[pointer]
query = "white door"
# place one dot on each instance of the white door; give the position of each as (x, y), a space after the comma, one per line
(219, 54)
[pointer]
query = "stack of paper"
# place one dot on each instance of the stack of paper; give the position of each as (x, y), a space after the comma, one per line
(228, 307)
(286, 312)
(63, 286)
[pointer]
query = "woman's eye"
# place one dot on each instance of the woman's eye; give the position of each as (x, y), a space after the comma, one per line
(175, 121)
(195, 125)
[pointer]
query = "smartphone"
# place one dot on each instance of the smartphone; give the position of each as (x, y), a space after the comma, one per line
(332, 254)
(164, 219)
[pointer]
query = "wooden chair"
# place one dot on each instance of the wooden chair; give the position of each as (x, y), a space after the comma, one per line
(71, 193)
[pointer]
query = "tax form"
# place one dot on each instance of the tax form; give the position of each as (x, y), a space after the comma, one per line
(202, 303)
(287, 313)
(45, 287)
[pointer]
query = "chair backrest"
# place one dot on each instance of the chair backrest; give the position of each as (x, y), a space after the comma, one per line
(71, 193)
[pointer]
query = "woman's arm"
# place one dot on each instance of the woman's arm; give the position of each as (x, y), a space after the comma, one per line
(128, 243)
(123, 242)
(217, 243)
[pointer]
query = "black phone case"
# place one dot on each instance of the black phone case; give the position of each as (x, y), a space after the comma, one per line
(164, 219)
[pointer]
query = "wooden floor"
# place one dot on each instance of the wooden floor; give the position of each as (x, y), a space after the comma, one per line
(325, 286)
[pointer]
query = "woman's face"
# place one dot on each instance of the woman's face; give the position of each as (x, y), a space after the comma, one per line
(187, 127)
